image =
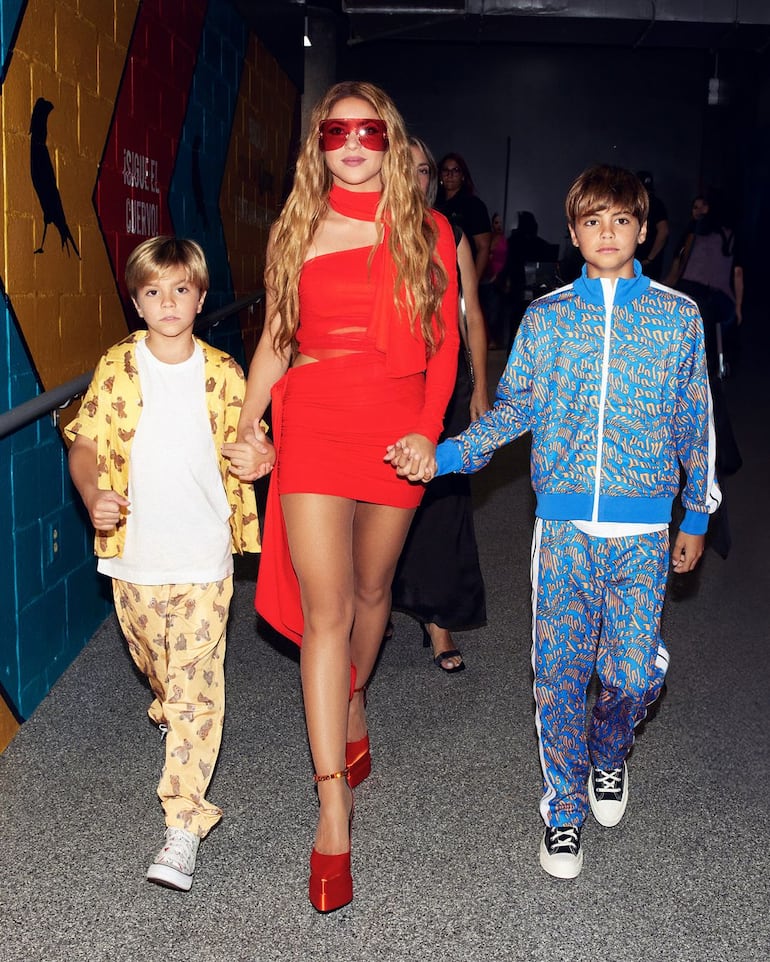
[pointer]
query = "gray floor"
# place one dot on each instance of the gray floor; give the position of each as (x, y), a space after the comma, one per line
(446, 829)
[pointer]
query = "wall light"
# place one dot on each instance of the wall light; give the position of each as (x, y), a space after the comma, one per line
(306, 40)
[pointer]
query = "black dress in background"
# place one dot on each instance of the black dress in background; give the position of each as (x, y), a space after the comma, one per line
(438, 578)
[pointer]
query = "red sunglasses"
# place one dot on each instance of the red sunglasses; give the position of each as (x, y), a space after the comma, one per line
(334, 133)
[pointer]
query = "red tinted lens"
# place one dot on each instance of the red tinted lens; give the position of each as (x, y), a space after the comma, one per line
(372, 134)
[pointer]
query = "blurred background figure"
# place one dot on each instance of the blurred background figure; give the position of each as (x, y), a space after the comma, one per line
(707, 270)
(493, 293)
(438, 578)
(531, 268)
(650, 252)
(456, 199)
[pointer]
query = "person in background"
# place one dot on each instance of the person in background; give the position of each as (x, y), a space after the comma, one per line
(457, 200)
(651, 250)
(707, 270)
(438, 578)
(154, 461)
(609, 375)
(525, 247)
(359, 349)
(493, 292)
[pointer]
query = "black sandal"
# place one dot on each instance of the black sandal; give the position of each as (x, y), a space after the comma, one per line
(427, 642)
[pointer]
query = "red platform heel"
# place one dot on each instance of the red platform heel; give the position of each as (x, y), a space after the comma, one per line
(358, 756)
(331, 884)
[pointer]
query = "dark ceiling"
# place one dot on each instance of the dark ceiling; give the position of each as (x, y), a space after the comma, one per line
(691, 24)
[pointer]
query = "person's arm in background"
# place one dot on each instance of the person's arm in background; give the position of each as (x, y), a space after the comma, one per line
(738, 290)
(679, 262)
(473, 331)
(483, 243)
(661, 236)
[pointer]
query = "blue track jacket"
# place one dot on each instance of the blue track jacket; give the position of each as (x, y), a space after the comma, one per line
(611, 381)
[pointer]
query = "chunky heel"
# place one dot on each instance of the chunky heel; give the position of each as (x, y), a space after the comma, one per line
(358, 759)
(358, 756)
(331, 884)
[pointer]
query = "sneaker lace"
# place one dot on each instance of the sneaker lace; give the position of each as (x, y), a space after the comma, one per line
(566, 838)
(608, 781)
(163, 729)
(180, 846)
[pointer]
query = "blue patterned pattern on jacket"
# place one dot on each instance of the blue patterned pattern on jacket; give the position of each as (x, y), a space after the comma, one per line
(612, 384)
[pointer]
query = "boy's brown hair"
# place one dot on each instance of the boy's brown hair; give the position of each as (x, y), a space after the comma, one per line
(603, 186)
(157, 255)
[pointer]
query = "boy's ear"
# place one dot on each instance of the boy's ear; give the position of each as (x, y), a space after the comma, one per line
(201, 299)
(573, 235)
(642, 233)
(136, 306)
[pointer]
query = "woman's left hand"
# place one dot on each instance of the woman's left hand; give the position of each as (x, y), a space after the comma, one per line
(413, 456)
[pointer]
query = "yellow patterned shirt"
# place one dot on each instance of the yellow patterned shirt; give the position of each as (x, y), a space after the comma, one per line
(109, 415)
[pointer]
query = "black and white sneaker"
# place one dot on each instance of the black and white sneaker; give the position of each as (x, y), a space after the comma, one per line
(560, 852)
(608, 794)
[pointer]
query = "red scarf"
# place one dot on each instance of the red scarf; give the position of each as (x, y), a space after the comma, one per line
(389, 327)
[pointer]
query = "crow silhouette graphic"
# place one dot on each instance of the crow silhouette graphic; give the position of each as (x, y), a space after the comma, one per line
(44, 178)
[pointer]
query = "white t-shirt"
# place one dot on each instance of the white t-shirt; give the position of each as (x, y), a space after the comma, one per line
(177, 529)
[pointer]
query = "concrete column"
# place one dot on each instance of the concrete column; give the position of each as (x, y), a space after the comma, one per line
(320, 59)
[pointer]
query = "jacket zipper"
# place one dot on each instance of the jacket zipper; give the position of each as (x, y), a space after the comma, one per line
(608, 288)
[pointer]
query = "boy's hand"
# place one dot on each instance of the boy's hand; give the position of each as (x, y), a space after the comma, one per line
(687, 551)
(251, 458)
(106, 509)
(413, 457)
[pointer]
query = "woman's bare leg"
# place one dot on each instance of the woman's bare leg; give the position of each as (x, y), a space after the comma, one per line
(320, 534)
(379, 532)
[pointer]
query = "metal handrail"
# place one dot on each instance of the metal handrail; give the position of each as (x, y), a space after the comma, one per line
(51, 402)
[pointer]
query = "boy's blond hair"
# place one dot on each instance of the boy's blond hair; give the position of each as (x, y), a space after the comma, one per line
(157, 255)
(603, 186)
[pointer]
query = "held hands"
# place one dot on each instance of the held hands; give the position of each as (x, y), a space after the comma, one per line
(106, 509)
(251, 458)
(687, 551)
(413, 457)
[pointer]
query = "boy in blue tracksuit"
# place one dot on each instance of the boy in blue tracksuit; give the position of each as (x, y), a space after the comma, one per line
(609, 375)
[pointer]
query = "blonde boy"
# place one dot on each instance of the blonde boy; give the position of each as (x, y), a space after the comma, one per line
(169, 512)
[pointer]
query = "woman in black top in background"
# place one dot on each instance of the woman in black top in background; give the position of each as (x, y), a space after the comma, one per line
(438, 579)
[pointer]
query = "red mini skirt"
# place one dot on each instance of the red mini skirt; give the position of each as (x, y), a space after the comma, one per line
(332, 422)
(337, 417)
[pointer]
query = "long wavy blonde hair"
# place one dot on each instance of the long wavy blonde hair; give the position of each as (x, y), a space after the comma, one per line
(421, 278)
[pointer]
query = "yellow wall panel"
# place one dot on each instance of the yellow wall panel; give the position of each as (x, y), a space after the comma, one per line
(17, 105)
(123, 20)
(110, 65)
(94, 118)
(8, 725)
(68, 306)
(21, 197)
(40, 20)
(77, 37)
(20, 247)
(100, 14)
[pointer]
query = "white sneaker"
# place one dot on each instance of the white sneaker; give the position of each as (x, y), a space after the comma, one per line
(608, 794)
(560, 851)
(174, 864)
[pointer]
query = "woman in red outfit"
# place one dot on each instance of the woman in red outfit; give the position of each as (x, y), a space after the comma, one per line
(358, 353)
